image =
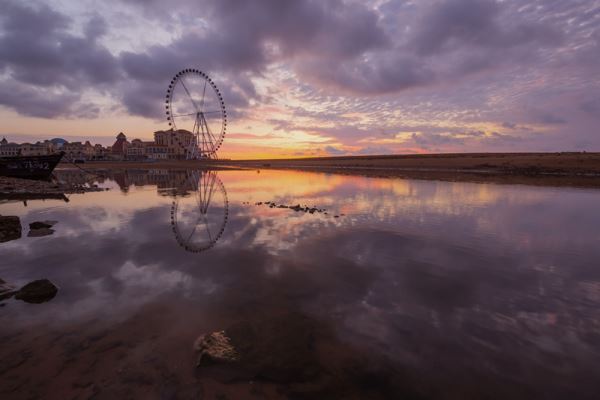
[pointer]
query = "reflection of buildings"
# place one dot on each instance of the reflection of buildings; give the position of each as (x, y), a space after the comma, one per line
(75, 177)
(200, 207)
(167, 181)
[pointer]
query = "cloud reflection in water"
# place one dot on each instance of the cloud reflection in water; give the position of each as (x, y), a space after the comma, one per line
(456, 280)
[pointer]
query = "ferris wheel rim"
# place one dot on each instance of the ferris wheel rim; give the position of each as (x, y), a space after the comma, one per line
(215, 145)
(185, 243)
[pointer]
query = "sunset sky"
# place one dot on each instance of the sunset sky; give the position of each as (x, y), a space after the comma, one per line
(303, 78)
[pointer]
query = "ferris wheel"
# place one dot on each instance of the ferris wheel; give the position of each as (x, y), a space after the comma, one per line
(194, 104)
(198, 218)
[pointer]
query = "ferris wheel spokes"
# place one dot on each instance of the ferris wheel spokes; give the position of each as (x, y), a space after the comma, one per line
(189, 94)
(208, 206)
(193, 108)
(203, 93)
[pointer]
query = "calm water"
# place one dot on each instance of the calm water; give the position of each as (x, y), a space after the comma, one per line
(417, 289)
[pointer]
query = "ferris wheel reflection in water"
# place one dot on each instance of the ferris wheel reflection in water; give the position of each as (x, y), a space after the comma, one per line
(198, 217)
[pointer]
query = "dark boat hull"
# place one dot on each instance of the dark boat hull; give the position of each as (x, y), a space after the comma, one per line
(29, 167)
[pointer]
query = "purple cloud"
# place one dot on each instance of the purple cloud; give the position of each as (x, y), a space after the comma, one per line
(454, 72)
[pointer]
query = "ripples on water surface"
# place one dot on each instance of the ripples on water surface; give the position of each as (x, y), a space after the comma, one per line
(418, 289)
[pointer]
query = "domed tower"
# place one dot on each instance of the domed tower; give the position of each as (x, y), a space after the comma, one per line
(120, 145)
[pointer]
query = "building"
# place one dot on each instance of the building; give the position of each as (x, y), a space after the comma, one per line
(78, 150)
(9, 149)
(179, 142)
(28, 149)
(167, 145)
(157, 151)
(49, 145)
(136, 150)
(101, 152)
(25, 149)
(119, 148)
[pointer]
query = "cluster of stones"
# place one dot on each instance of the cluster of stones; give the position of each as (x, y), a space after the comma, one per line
(297, 208)
(10, 228)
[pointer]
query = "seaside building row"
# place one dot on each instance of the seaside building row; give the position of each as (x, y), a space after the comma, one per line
(167, 145)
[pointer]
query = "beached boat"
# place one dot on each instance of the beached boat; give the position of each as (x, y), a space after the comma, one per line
(29, 167)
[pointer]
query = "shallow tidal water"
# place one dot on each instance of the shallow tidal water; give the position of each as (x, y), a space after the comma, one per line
(370, 288)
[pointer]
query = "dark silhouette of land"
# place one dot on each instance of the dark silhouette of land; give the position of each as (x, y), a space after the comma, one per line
(507, 163)
(553, 169)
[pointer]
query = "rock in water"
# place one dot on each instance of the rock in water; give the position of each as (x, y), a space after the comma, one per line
(37, 292)
(41, 228)
(42, 224)
(278, 349)
(10, 228)
(40, 232)
(214, 347)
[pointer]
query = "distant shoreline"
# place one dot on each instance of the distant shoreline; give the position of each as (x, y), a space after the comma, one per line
(554, 169)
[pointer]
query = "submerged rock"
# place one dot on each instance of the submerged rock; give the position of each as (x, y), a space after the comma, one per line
(10, 228)
(214, 347)
(37, 292)
(40, 232)
(277, 349)
(41, 228)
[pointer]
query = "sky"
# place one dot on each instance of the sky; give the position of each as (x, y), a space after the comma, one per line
(310, 78)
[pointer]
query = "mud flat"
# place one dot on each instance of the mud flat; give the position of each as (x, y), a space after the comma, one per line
(26, 189)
